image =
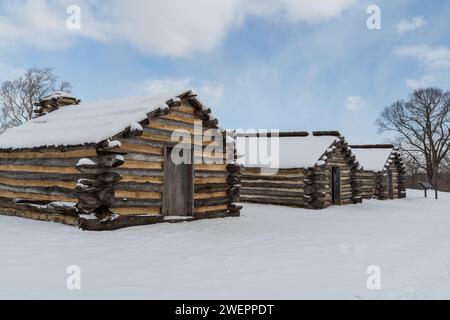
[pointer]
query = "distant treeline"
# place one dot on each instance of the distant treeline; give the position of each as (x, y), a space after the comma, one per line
(443, 183)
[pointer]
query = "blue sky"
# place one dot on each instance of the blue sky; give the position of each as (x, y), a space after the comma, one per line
(282, 64)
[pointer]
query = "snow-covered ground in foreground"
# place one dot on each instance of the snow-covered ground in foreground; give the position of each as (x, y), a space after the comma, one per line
(270, 252)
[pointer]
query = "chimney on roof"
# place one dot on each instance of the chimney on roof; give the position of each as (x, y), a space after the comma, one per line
(55, 101)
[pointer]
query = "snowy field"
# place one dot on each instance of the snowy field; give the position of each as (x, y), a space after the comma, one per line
(269, 253)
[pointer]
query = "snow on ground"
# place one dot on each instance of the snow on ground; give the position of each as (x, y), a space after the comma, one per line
(269, 253)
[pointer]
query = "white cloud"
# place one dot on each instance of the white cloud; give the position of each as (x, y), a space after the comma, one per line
(311, 11)
(435, 57)
(161, 27)
(355, 103)
(424, 82)
(42, 24)
(207, 89)
(406, 26)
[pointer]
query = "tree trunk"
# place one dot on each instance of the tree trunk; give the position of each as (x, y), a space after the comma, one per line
(434, 175)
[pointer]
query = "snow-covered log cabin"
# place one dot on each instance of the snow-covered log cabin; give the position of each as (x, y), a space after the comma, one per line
(313, 171)
(382, 174)
(108, 165)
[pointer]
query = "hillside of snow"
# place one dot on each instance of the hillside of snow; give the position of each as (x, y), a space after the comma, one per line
(269, 253)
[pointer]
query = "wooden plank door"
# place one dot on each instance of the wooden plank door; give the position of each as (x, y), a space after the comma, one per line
(178, 187)
(336, 185)
(390, 185)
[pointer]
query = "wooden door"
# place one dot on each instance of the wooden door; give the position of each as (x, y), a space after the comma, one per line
(336, 185)
(390, 183)
(178, 187)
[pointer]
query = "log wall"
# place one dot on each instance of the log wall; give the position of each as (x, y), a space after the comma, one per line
(39, 177)
(372, 184)
(397, 170)
(42, 175)
(286, 187)
(304, 187)
(141, 189)
(338, 155)
(121, 183)
(365, 183)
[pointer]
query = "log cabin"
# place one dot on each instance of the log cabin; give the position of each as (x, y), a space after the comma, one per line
(313, 171)
(109, 165)
(382, 172)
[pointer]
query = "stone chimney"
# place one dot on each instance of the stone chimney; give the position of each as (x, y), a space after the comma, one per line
(54, 102)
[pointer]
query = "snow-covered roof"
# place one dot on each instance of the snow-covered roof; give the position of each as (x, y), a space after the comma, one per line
(58, 94)
(283, 152)
(84, 123)
(372, 159)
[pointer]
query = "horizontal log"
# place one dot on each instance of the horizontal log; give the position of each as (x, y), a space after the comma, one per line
(173, 121)
(144, 141)
(157, 132)
(145, 165)
(221, 180)
(37, 183)
(41, 176)
(211, 202)
(138, 172)
(265, 184)
(210, 167)
(136, 203)
(62, 162)
(326, 133)
(180, 117)
(185, 109)
(82, 153)
(163, 139)
(143, 157)
(280, 172)
(141, 149)
(211, 174)
(209, 209)
(199, 188)
(207, 195)
(132, 194)
(39, 190)
(272, 192)
(41, 197)
(119, 223)
(136, 211)
(272, 178)
(145, 187)
(40, 216)
(140, 179)
(169, 127)
(39, 207)
(275, 134)
(37, 169)
(273, 201)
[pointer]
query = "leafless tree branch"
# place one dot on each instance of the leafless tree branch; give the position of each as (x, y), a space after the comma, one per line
(17, 97)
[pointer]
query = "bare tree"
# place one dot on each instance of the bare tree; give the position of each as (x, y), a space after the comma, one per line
(421, 126)
(17, 97)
